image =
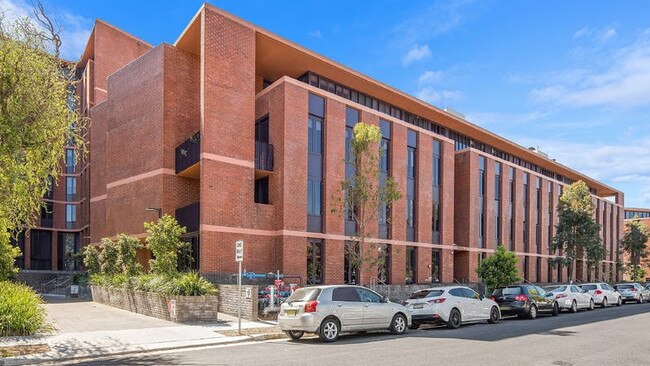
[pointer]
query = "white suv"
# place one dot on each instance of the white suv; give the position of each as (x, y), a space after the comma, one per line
(603, 293)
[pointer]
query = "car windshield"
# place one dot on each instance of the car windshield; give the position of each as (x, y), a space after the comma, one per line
(625, 287)
(557, 289)
(507, 291)
(304, 294)
(588, 287)
(426, 293)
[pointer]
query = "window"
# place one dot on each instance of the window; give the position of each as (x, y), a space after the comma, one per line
(70, 157)
(314, 262)
(351, 263)
(71, 188)
(348, 294)
(384, 173)
(70, 216)
(47, 214)
(262, 190)
(315, 137)
(410, 185)
(68, 247)
(411, 263)
(368, 296)
(315, 163)
(511, 199)
(41, 249)
(481, 176)
(262, 129)
(458, 292)
(497, 203)
(435, 205)
(435, 266)
(190, 257)
(481, 202)
(383, 270)
(471, 294)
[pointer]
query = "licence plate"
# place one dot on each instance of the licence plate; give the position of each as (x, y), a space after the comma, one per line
(504, 307)
(418, 306)
(292, 312)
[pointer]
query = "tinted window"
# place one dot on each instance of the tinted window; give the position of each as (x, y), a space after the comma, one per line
(624, 287)
(470, 294)
(368, 296)
(426, 293)
(557, 289)
(532, 290)
(589, 287)
(540, 291)
(458, 292)
(508, 291)
(575, 289)
(345, 294)
(304, 294)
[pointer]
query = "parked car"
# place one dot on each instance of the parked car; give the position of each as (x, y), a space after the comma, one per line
(603, 294)
(525, 300)
(452, 305)
(572, 297)
(633, 292)
(330, 310)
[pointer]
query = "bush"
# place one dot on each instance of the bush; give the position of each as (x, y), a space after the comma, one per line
(127, 260)
(164, 241)
(8, 255)
(21, 310)
(191, 284)
(499, 269)
(91, 259)
(108, 257)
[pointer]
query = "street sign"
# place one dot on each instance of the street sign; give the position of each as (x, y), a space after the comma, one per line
(239, 251)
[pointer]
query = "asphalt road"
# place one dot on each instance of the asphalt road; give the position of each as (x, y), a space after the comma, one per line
(612, 336)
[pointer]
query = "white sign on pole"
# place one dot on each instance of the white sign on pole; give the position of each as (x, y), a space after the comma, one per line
(239, 251)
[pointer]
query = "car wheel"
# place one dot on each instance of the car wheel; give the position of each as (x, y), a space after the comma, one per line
(591, 305)
(574, 307)
(414, 325)
(640, 300)
(532, 312)
(329, 330)
(604, 303)
(398, 324)
(295, 334)
(455, 319)
(556, 310)
(619, 302)
(494, 315)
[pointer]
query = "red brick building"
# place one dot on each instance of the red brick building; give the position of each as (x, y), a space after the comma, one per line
(642, 215)
(242, 135)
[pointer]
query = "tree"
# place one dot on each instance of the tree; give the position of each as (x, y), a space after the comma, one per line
(108, 258)
(577, 234)
(164, 241)
(499, 269)
(8, 255)
(91, 259)
(635, 241)
(36, 121)
(362, 196)
(127, 260)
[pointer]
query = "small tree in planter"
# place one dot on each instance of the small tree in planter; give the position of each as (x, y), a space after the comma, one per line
(164, 241)
(127, 259)
(91, 259)
(499, 269)
(108, 258)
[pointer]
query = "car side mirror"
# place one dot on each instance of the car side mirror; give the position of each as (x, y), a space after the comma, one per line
(481, 297)
(384, 299)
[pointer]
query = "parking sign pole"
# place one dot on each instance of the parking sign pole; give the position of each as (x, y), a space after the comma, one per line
(239, 257)
(239, 296)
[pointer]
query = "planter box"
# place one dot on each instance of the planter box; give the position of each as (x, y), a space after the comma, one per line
(179, 309)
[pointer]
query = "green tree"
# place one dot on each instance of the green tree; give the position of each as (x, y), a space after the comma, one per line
(91, 259)
(577, 234)
(362, 196)
(127, 259)
(499, 269)
(635, 241)
(108, 258)
(37, 119)
(164, 241)
(8, 255)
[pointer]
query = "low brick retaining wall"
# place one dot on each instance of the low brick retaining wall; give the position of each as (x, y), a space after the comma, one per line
(179, 309)
(228, 300)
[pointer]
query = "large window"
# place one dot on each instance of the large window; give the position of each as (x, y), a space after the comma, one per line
(435, 266)
(41, 249)
(351, 262)
(262, 190)
(411, 265)
(411, 172)
(538, 214)
(314, 261)
(481, 202)
(435, 196)
(190, 258)
(47, 214)
(71, 188)
(497, 203)
(525, 212)
(68, 248)
(315, 163)
(351, 119)
(511, 200)
(70, 157)
(384, 172)
(383, 275)
(70, 216)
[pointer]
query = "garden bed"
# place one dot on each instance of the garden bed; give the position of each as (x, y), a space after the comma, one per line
(179, 309)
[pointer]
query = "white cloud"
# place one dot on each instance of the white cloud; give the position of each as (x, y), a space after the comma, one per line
(495, 119)
(433, 96)
(623, 81)
(315, 34)
(75, 29)
(582, 32)
(607, 34)
(440, 17)
(416, 53)
(430, 77)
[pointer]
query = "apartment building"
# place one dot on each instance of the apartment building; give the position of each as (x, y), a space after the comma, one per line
(242, 134)
(642, 215)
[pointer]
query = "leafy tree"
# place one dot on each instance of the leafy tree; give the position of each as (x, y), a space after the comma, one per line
(91, 259)
(127, 260)
(108, 258)
(164, 241)
(499, 269)
(635, 241)
(636, 272)
(578, 234)
(8, 255)
(36, 122)
(362, 196)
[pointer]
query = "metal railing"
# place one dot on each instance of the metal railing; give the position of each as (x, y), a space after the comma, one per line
(188, 153)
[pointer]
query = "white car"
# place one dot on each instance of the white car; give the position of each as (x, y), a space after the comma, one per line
(330, 310)
(451, 305)
(603, 294)
(572, 298)
(633, 292)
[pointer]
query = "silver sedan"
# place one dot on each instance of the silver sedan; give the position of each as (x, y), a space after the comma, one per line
(330, 310)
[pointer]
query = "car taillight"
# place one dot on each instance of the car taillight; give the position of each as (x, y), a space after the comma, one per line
(633, 289)
(559, 296)
(310, 307)
(437, 301)
(521, 298)
(598, 292)
(493, 298)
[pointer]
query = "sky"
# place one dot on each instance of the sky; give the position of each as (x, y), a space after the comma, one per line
(569, 77)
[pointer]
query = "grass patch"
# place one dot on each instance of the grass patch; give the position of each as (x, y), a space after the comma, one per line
(13, 351)
(21, 310)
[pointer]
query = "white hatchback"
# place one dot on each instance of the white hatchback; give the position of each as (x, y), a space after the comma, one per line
(452, 305)
(603, 293)
(572, 298)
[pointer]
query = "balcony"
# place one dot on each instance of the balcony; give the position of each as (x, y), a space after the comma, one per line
(263, 158)
(188, 155)
(189, 216)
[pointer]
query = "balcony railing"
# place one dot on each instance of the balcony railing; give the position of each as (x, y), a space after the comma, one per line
(263, 156)
(189, 216)
(188, 153)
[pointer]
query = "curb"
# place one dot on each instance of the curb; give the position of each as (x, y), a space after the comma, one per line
(10, 362)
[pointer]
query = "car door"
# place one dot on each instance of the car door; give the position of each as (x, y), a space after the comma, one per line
(579, 296)
(348, 307)
(476, 305)
(376, 313)
(460, 302)
(610, 292)
(540, 297)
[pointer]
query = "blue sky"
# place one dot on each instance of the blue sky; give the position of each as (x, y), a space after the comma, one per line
(571, 77)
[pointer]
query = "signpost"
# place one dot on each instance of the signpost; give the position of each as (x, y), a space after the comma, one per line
(239, 257)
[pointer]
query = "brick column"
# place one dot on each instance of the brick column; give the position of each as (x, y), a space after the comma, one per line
(397, 265)
(423, 265)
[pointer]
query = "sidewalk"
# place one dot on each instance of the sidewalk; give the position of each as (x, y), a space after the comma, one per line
(87, 329)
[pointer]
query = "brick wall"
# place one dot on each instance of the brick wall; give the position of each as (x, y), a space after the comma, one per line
(228, 301)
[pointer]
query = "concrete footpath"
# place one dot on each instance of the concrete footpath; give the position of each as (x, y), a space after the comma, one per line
(87, 329)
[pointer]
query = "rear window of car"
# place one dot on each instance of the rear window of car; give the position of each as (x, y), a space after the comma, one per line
(588, 287)
(304, 294)
(507, 291)
(426, 293)
(625, 287)
(556, 289)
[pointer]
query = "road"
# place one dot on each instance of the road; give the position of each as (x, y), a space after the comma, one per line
(612, 336)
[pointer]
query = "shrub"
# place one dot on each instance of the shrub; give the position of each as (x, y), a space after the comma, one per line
(8, 255)
(91, 259)
(21, 310)
(127, 260)
(164, 241)
(191, 284)
(108, 257)
(499, 269)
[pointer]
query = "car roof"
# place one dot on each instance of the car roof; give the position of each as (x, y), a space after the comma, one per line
(445, 288)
